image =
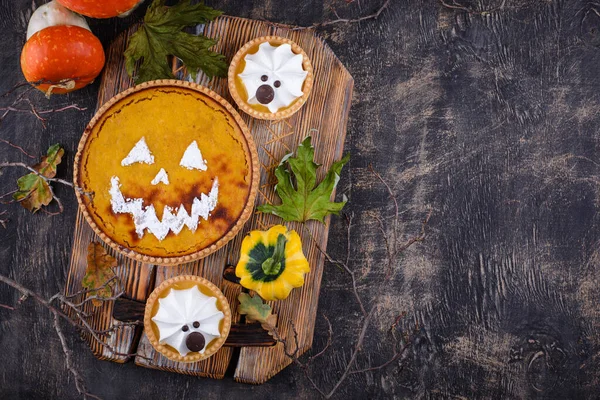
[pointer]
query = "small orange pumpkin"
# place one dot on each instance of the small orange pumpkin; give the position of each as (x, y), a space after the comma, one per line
(60, 59)
(100, 8)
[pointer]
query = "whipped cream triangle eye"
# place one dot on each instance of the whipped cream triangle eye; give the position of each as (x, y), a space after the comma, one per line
(140, 153)
(273, 76)
(192, 158)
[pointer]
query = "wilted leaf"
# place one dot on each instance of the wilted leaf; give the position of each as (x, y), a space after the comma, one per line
(305, 201)
(256, 311)
(50, 161)
(99, 271)
(34, 192)
(253, 308)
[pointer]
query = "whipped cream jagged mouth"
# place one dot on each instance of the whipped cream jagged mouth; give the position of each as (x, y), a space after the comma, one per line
(173, 219)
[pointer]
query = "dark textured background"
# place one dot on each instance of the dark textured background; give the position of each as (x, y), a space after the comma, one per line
(487, 116)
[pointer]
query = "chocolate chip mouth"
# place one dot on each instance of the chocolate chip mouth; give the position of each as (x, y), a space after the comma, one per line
(265, 94)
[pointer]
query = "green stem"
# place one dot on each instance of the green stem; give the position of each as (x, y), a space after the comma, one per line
(272, 265)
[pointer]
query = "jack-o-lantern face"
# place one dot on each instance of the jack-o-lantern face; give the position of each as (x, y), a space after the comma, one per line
(170, 170)
(173, 219)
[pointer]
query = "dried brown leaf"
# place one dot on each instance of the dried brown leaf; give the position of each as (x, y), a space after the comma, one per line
(99, 273)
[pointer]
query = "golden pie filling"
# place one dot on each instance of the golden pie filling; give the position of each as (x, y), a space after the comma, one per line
(169, 169)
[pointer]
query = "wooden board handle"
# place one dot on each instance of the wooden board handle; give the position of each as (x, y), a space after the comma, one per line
(240, 335)
(229, 274)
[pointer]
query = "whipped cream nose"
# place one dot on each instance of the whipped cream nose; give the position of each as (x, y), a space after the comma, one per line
(161, 177)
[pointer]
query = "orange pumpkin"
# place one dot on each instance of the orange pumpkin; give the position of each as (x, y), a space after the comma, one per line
(60, 59)
(100, 8)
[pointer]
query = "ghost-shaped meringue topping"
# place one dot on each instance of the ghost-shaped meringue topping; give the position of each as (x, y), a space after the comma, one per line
(188, 320)
(273, 76)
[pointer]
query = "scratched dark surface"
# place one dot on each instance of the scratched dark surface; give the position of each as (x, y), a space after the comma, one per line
(488, 115)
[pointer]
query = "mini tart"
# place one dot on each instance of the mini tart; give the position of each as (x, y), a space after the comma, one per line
(172, 117)
(179, 283)
(238, 89)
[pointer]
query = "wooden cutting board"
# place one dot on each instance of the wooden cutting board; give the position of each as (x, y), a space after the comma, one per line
(324, 117)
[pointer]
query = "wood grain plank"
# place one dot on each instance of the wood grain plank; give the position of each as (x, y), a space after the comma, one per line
(324, 116)
(136, 277)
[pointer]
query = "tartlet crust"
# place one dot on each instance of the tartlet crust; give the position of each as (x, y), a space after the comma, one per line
(252, 159)
(247, 108)
(166, 350)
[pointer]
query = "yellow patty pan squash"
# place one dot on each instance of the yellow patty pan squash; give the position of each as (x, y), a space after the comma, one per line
(272, 262)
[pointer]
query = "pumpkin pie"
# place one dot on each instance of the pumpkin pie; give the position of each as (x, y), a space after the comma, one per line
(187, 318)
(167, 172)
(270, 78)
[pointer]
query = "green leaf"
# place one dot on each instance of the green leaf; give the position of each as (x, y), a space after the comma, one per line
(99, 273)
(181, 14)
(161, 35)
(305, 201)
(34, 192)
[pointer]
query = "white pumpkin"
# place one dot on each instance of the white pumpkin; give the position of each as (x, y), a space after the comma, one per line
(53, 14)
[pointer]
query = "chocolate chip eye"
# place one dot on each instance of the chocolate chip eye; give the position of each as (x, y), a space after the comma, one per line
(264, 78)
(185, 328)
(277, 83)
(196, 324)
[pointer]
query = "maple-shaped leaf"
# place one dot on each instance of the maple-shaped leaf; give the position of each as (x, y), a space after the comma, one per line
(256, 311)
(305, 201)
(34, 191)
(99, 274)
(161, 35)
